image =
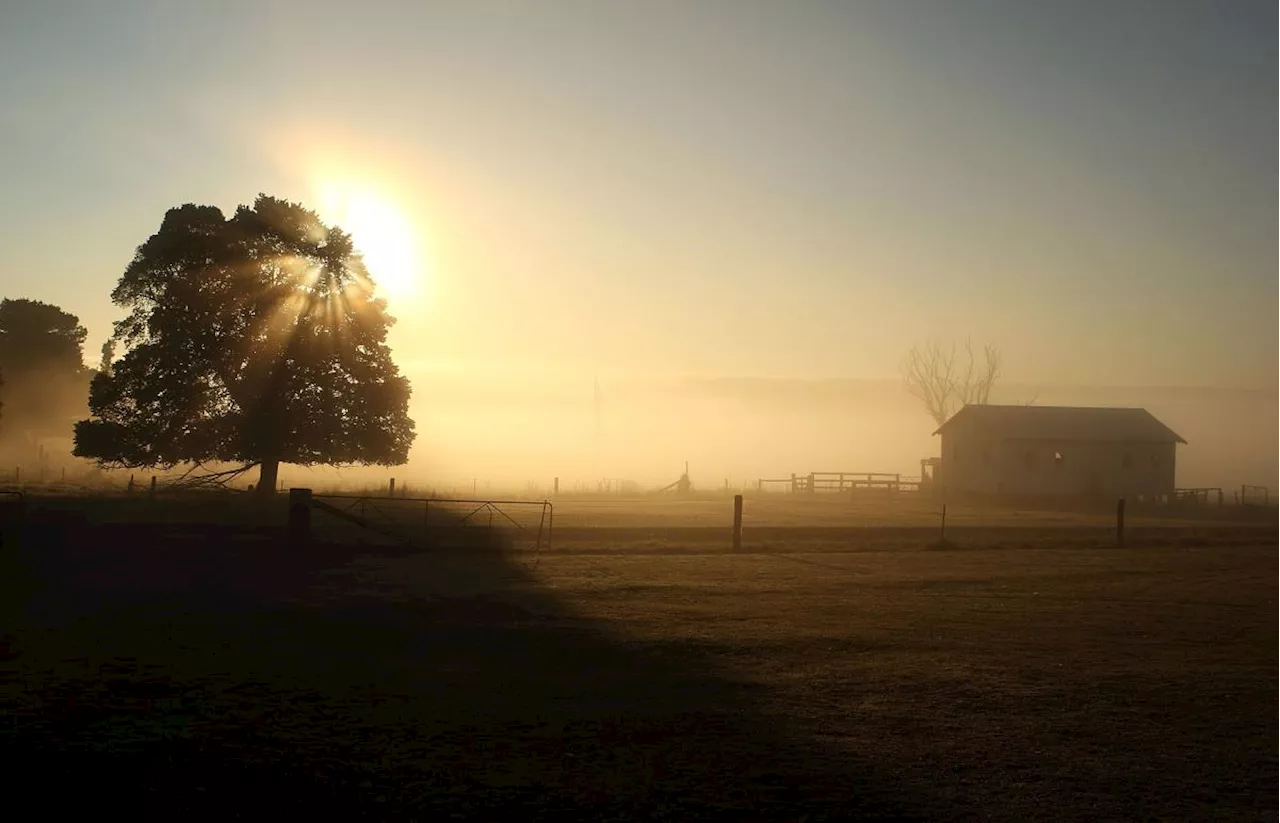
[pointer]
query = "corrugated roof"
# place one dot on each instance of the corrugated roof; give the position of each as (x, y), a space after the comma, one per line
(1066, 423)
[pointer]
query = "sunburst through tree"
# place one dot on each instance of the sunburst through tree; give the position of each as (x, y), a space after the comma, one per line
(254, 340)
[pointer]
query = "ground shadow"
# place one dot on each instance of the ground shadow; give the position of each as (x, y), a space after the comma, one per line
(212, 671)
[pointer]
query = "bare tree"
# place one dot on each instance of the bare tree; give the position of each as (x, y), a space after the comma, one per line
(928, 374)
(944, 385)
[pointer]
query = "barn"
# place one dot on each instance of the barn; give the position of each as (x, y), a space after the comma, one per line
(1057, 450)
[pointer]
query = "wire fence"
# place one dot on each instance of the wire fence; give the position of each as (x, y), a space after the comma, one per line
(524, 525)
(858, 517)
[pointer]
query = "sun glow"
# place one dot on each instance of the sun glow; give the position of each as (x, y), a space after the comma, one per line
(383, 235)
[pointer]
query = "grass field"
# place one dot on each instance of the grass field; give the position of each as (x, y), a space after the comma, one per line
(1032, 670)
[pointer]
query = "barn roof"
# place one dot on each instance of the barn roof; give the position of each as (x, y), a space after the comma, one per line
(1066, 423)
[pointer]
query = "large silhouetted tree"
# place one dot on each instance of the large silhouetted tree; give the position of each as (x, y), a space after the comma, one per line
(252, 340)
(42, 360)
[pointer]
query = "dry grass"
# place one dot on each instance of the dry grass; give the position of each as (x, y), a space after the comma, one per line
(1016, 676)
(825, 510)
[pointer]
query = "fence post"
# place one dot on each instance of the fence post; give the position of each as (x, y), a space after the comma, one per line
(737, 522)
(1120, 522)
(391, 487)
(793, 482)
(942, 531)
(152, 493)
(130, 489)
(299, 516)
(556, 485)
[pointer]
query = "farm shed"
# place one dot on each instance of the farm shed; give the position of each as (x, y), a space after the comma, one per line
(1057, 450)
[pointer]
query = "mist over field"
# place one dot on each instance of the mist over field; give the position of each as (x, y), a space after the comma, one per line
(514, 431)
(387, 391)
(516, 434)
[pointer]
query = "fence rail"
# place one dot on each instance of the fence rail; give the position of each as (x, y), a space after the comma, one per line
(1203, 496)
(842, 481)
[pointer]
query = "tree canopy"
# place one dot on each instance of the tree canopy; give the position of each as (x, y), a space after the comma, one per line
(37, 336)
(256, 339)
(42, 364)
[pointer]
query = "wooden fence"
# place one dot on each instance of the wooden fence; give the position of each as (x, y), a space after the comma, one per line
(1254, 496)
(1202, 497)
(837, 482)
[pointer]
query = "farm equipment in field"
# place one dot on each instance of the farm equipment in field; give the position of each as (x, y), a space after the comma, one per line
(681, 485)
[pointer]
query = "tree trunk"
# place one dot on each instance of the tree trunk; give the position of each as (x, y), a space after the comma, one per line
(268, 477)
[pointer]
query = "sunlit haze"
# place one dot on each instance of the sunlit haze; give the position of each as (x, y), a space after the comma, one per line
(384, 236)
(620, 236)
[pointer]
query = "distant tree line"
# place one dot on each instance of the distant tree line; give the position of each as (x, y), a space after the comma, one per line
(43, 381)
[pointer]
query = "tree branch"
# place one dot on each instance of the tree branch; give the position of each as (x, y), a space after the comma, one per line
(188, 480)
(931, 375)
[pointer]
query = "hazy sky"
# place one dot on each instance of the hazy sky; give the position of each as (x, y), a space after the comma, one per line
(694, 188)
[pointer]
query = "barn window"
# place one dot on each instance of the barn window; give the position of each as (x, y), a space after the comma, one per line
(1126, 462)
(1057, 460)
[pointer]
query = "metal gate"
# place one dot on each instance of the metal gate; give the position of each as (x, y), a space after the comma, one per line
(423, 522)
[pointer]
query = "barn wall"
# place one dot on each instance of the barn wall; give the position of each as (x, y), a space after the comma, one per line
(970, 461)
(974, 462)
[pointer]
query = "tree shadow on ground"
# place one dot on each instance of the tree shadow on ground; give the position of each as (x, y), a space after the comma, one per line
(214, 672)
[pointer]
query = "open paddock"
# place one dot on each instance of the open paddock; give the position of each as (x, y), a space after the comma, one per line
(1027, 671)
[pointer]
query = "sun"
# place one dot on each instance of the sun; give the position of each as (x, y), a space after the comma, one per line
(382, 234)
